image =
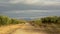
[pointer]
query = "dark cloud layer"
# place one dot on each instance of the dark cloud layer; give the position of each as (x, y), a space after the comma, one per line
(11, 9)
(31, 14)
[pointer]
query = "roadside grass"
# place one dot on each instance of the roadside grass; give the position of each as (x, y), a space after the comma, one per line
(52, 28)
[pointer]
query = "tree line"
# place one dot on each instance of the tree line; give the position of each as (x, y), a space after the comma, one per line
(5, 20)
(46, 20)
(52, 19)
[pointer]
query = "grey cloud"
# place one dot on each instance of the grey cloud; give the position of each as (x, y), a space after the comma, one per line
(11, 7)
(8, 7)
(33, 14)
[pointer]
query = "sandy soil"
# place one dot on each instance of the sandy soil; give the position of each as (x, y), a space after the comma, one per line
(28, 29)
(9, 28)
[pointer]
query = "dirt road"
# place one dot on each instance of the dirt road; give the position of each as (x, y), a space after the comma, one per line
(28, 29)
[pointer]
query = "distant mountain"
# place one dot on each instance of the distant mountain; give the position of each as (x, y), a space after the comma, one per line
(27, 19)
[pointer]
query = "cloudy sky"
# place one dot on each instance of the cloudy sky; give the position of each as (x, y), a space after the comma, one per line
(29, 8)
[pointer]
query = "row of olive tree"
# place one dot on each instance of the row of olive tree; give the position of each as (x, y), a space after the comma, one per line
(53, 19)
(4, 20)
(46, 20)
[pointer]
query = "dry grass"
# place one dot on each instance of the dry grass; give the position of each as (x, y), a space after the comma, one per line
(52, 28)
(9, 28)
(49, 28)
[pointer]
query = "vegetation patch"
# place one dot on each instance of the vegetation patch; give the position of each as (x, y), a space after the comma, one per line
(4, 20)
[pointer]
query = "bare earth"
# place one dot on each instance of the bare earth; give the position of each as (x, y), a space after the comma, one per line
(9, 28)
(28, 29)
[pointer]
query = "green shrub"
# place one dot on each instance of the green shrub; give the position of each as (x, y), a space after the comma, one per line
(38, 22)
(47, 20)
(53, 19)
(4, 20)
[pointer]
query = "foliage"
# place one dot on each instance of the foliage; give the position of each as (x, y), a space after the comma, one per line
(4, 20)
(47, 20)
(38, 22)
(53, 19)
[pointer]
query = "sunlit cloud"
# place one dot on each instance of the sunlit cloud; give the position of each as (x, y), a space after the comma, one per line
(36, 2)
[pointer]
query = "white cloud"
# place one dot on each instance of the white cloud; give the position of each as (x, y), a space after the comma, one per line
(14, 12)
(51, 3)
(27, 11)
(15, 1)
(36, 2)
(24, 1)
(32, 2)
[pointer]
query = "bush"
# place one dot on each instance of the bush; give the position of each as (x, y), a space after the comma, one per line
(47, 20)
(36, 22)
(53, 19)
(4, 20)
